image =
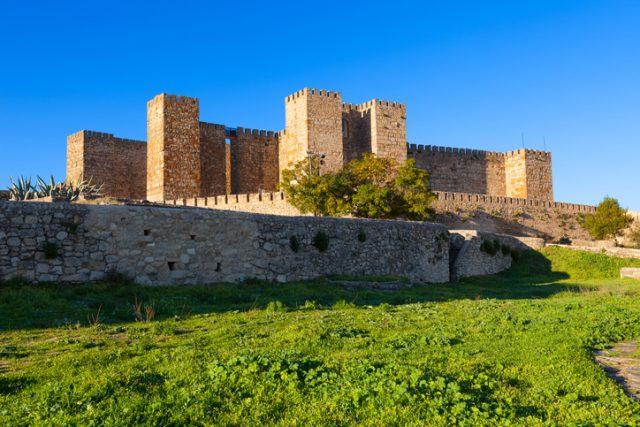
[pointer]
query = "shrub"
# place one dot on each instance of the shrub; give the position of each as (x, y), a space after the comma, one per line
(506, 250)
(276, 307)
(50, 250)
(321, 241)
(608, 220)
(490, 247)
(634, 237)
(294, 243)
(362, 236)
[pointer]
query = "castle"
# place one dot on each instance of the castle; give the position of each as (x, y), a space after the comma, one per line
(185, 158)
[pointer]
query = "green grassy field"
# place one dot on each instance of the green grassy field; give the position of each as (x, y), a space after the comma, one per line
(511, 349)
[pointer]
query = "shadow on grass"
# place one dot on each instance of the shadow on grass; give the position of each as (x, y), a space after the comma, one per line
(24, 306)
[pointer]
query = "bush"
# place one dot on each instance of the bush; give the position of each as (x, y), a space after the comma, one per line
(608, 221)
(490, 247)
(276, 307)
(321, 241)
(506, 250)
(294, 243)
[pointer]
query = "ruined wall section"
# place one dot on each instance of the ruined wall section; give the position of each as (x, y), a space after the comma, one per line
(461, 170)
(254, 161)
(119, 165)
(173, 162)
(213, 159)
(389, 130)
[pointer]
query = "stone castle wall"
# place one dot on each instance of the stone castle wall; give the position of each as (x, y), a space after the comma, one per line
(494, 214)
(187, 158)
(213, 163)
(176, 245)
(254, 161)
(524, 174)
(118, 165)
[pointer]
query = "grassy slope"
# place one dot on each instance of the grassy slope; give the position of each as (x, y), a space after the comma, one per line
(513, 348)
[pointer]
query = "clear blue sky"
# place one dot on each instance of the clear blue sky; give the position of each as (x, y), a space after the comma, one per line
(473, 74)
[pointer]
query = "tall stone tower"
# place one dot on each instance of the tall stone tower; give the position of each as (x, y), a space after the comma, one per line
(389, 130)
(528, 174)
(313, 124)
(173, 152)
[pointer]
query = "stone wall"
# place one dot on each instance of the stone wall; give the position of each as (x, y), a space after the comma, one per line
(513, 216)
(254, 161)
(460, 170)
(184, 245)
(118, 165)
(213, 159)
(536, 219)
(470, 260)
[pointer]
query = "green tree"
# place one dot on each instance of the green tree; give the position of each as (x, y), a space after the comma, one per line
(608, 220)
(370, 188)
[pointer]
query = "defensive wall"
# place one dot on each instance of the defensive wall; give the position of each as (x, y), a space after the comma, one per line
(65, 242)
(523, 173)
(495, 214)
(186, 158)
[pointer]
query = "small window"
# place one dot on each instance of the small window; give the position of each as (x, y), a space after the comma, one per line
(345, 128)
(171, 265)
(193, 237)
(227, 141)
(147, 232)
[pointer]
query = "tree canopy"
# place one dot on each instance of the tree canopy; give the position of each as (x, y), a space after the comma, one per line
(372, 187)
(608, 220)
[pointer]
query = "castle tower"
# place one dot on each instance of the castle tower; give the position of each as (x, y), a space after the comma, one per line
(173, 152)
(313, 124)
(389, 130)
(528, 174)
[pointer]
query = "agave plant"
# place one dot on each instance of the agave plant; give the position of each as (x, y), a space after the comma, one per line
(46, 189)
(22, 190)
(25, 190)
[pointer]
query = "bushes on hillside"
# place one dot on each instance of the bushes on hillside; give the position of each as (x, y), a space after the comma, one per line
(608, 220)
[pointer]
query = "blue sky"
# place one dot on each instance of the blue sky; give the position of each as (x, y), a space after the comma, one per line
(475, 74)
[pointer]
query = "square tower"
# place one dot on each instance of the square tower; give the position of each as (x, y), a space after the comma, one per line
(173, 152)
(313, 124)
(389, 130)
(528, 174)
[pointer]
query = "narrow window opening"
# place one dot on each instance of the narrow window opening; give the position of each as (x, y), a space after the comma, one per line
(193, 237)
(147, 232)
(171, 265)
(227, 141)
(218, 267)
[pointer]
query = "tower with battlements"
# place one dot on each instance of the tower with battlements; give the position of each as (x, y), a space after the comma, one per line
(187, 158)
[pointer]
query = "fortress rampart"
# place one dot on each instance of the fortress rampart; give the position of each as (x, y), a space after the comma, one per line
(185, 157)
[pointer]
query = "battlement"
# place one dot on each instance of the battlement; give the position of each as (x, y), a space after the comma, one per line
(516, 201)
(174, 99)
(212, 126)
(370, 104)
(416, 148)
(313, 92)
(257, 132)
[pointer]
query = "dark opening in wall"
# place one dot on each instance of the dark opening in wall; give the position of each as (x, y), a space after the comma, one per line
(193, 237)
(218, 267)
(147, 232)
(171, 265)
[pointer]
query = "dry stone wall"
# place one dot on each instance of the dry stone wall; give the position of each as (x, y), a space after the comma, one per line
(471, 260)
(77, 243)
(213, 159)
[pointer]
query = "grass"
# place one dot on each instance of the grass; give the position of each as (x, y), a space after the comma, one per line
(511, 349)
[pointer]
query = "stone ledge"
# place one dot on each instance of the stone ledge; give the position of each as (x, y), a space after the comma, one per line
(630, 273)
